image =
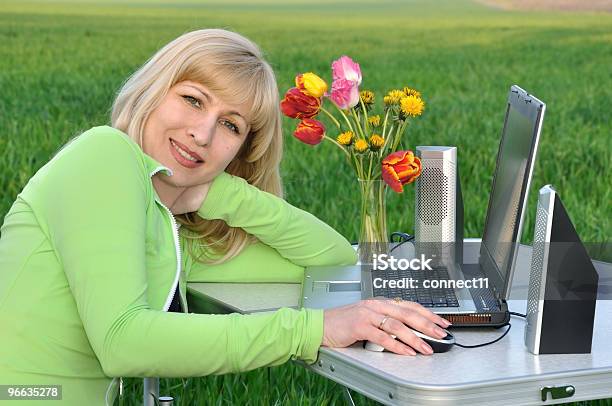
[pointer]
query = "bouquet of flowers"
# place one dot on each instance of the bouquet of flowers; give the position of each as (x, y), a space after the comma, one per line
(369, 140)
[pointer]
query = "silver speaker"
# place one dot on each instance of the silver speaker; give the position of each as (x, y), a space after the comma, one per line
(439, 206)
(562, 284)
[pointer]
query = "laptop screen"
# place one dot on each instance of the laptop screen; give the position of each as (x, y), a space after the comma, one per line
(515, 158)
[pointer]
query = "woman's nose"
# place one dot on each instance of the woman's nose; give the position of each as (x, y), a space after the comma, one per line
(204, 132)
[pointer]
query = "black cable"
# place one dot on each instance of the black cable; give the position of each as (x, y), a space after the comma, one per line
(403, 238)
(490, 342)
(518, 314)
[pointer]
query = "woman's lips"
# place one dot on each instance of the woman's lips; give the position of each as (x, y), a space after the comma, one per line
(182, 160)
(184, 148)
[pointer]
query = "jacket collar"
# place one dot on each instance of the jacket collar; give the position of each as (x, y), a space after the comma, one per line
(153, 166)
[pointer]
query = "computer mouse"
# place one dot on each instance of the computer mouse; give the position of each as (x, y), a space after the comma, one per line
(437, 344)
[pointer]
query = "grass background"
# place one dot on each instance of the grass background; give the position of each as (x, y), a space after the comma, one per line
(62, 62)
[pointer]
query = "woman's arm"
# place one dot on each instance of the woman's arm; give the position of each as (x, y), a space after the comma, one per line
(296, 234)
(92, 200)
(257, 262)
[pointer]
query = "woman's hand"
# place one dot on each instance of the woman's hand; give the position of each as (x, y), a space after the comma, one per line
(191, 199)
(360, 321)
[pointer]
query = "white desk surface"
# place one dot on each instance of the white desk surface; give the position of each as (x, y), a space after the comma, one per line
(501, 373)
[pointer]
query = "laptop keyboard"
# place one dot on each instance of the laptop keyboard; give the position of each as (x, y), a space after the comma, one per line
(426, 297)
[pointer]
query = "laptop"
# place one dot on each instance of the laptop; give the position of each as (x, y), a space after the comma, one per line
(476, 305)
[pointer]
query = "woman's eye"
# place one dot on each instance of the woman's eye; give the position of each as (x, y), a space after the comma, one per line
(193, 101)
(231, 126)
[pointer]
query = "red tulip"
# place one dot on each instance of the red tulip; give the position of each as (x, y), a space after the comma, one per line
(299, 105)
(400, 168)
(310, 131)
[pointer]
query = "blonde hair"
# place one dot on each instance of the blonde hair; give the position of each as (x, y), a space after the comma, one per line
(233, 68)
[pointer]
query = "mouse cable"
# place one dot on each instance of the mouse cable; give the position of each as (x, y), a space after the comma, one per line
(497, 339)
(403, 238)
(490, 342)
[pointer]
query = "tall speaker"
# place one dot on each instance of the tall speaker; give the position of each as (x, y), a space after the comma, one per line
(562, 285)
(439, 206)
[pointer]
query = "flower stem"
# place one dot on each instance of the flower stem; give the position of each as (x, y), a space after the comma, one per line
(373, 234)
(356, 165)
(385, 124)
(336, 122)
(398, 135)
(357, 123)
(348, 122)
(360, 159)
(388, 139)
(366, 125)
(339, 146)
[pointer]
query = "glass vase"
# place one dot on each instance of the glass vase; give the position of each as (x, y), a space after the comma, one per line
(373, 236)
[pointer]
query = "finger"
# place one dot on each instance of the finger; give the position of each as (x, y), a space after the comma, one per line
(412, 318)
(425, 312)
(399, 329)
(412, 306)
(383, 339)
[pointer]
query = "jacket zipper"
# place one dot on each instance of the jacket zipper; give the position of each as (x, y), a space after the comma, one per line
(177, 246)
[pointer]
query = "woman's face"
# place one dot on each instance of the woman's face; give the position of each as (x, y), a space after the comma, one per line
(195, 134)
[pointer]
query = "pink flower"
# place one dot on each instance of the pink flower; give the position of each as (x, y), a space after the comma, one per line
(345, 87)
(345, 68)
(344, 93)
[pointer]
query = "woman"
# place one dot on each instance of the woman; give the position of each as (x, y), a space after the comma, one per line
(93, 266)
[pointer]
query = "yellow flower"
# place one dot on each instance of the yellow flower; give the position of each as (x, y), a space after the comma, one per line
(411, 92)
(311, 84)
(393, 97)
(367, 97)
(412, 106)
(361, 145)
(374, 120)
(346, 138)
(376, 142)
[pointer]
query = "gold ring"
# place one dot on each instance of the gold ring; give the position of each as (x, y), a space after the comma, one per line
(397, 299)
(382, 323)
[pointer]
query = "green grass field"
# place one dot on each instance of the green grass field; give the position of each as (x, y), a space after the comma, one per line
(62, 62)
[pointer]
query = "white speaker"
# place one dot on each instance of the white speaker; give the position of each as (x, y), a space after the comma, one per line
(562, 284)
(439, 206)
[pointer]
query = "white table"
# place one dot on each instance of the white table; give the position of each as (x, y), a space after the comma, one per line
(504, 373)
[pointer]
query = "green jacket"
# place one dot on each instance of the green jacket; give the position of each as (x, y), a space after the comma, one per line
(90, 258)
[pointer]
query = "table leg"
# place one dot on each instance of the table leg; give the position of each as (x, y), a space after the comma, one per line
(151, 391)
(348, 397)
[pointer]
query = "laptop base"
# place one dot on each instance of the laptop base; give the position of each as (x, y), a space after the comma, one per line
(493, 319)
